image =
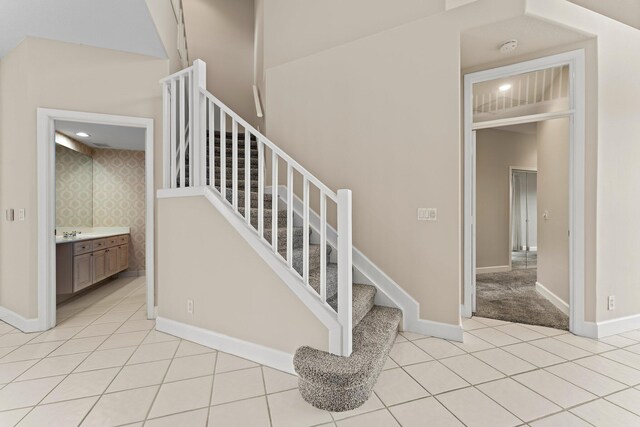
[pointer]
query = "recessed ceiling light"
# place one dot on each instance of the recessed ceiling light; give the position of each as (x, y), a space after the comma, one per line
(83, 134)
(505, 87)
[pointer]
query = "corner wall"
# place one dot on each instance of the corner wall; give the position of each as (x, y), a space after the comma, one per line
(235, 293)
(51, 74)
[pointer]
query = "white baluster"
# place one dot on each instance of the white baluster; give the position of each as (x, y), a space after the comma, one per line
(305, 231)
(560, 94)
(274, 201)
(289, 215)
(260, 188)
(344, 269)
(535, 88)
(173, 142)
(323, 246)
(212, 145)
(234, 166)
(544, 84)
(181, 129)
(166, 135)
(223, 154)
(247, 176)
(192, 135)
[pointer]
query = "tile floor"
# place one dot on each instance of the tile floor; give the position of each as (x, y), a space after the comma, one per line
(104, 365)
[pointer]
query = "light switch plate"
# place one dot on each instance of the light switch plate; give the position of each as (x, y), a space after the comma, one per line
(427, 214)
(21, 214)
(9, 214)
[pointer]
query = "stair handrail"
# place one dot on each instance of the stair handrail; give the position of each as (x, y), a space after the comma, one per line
(187, 89)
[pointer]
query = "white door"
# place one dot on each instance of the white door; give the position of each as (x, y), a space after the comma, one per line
(473, 222)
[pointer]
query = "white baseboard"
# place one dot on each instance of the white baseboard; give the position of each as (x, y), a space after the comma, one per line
(19, 322)
(617, 326)
(553, 298)
(493, 269)
(255, 352)
(446, 331)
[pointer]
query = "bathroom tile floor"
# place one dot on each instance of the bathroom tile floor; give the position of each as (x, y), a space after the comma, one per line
(105, 365)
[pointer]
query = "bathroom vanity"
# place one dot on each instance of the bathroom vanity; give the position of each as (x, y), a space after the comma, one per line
(86, 260)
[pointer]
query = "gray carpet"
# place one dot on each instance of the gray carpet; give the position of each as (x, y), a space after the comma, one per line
(512, 297)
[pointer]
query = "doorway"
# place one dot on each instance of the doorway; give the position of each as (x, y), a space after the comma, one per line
(524, 224)
(112, 249)
(539, 107)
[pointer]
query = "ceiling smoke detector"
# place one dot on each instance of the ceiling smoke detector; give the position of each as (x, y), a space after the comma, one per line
(508, 46)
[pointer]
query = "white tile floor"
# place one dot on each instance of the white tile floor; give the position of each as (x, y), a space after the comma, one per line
(105, 365)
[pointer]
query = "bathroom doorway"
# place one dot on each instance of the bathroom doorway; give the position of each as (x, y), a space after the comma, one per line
(107, 206)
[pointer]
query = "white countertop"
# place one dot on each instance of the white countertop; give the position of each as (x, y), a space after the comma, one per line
(90, 233)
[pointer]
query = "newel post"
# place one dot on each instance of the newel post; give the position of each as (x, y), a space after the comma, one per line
(199, 122)
(344, 269)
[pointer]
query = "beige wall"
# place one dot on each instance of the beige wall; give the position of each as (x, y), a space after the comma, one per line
(626, 11)
(235, 292)
(164, 17)
(298, 28)
(221, 33)
(374, 116)
(496, 151)
(553, 197)
(44, 73)
(119, 197)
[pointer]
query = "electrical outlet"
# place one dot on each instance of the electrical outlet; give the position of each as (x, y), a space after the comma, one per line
(612, 302)
(190, 306)
(21, 214)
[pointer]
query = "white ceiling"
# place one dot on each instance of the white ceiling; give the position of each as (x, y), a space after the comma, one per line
(124, 25)
(480, 45)
(116, 137)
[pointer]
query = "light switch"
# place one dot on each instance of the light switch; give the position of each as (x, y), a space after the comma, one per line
(546, 215)
(21, 214)
(9, 214)
(427, 214)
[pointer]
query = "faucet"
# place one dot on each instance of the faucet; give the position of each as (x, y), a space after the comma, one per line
(69, 234)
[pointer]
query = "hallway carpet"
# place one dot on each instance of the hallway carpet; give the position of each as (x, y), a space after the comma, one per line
(512, 297)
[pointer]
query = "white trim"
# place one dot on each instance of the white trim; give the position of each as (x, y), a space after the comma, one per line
(389, 292)
(493, 269)
(576, 61)
(17, 321)
(267, 356)
(617, 326)
(552, 298)
(46, 118)
(323, 312)
(521, 120)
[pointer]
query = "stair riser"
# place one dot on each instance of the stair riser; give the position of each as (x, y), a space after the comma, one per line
(253, 200)
(241, 171)
(268, 218)
(282, 239)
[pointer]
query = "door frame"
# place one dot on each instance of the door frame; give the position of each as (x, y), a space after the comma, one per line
(511, 170)
(46, 195)
(576, 114)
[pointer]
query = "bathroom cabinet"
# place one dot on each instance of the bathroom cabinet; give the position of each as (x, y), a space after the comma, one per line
(81, 264)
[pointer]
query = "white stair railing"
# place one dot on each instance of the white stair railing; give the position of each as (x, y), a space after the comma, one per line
(192, 118)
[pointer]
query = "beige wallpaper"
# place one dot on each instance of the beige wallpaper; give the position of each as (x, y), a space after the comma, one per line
(118, 197)
(74, 188)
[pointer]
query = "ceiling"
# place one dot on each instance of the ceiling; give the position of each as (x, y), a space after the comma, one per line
(116, 137)
(124, 25)
(480, 45)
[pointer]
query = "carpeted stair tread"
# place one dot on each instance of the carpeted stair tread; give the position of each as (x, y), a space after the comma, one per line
(314, 258)
(362, 300)
(268, 217)
(253, 173)
(253, 198)
(337, 383)
(297, 234)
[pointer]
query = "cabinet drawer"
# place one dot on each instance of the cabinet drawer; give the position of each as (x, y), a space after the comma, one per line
(82, 247)
(123, 240)
(112, 241)
(100, 244)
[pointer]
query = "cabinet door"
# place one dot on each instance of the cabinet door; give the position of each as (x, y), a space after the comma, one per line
(82, 271)
(112, 261)
(99, 265)
(123, 257)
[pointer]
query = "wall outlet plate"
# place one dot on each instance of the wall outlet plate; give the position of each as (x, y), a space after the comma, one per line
(190, 306)
(611, 302)
(427, 214)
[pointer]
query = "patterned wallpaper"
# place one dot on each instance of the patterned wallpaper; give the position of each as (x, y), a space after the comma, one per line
(119, 199)
(74, 188)
(106, 191)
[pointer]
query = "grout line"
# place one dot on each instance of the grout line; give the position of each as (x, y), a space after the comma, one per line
(213, 381)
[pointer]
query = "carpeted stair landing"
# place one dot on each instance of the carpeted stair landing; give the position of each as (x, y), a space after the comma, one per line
(326, 381)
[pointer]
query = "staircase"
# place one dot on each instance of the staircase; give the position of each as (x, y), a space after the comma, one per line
(199, 151)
